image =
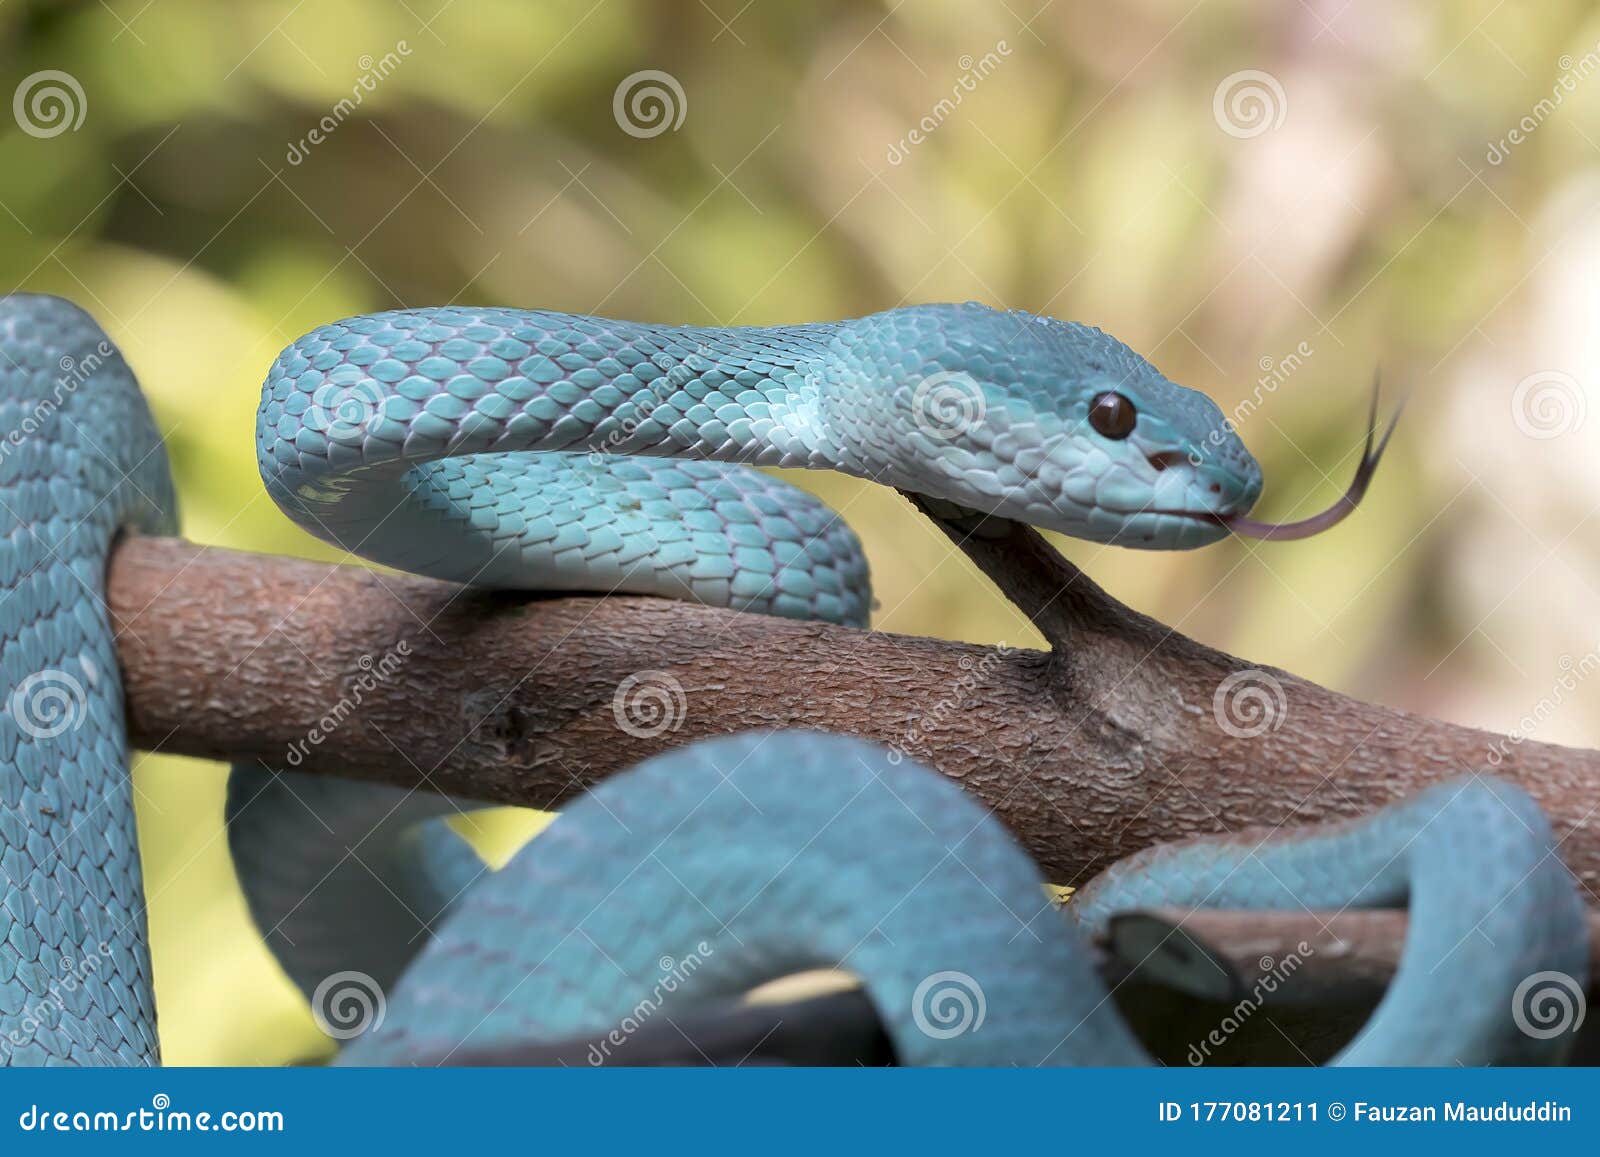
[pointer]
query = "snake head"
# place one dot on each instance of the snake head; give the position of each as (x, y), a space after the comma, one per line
(1047, 422)
(1136, 459)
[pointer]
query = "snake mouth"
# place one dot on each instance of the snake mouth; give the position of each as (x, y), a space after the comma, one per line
(1342, 507)
(1239, 523)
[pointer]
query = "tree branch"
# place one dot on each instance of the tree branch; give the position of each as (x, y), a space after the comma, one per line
(1339, 957)
(1110, 743)
(1057, 597)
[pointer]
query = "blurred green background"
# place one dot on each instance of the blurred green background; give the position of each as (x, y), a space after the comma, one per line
(1269, 200)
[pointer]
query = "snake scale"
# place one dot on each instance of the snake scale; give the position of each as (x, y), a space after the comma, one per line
(534, 450)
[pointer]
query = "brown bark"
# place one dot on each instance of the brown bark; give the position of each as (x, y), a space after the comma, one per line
(1106, 744)
(1320, 957)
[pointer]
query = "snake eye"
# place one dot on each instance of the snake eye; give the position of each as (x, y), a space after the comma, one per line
(1112, 416)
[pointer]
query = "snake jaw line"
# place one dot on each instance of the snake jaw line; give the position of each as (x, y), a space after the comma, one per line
(1345, 504)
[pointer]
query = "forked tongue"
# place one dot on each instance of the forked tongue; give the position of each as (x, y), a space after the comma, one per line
(1343, 506)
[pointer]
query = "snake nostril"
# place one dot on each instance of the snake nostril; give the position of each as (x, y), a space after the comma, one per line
(1161, 460)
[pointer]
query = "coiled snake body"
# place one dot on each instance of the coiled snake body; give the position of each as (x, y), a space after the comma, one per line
(543, 451)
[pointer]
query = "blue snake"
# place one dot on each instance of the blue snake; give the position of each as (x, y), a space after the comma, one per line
(534, 450)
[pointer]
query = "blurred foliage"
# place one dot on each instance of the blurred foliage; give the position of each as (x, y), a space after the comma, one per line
(1087, 175)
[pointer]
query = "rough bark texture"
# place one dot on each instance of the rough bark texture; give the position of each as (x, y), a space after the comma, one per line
(1104, 745)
